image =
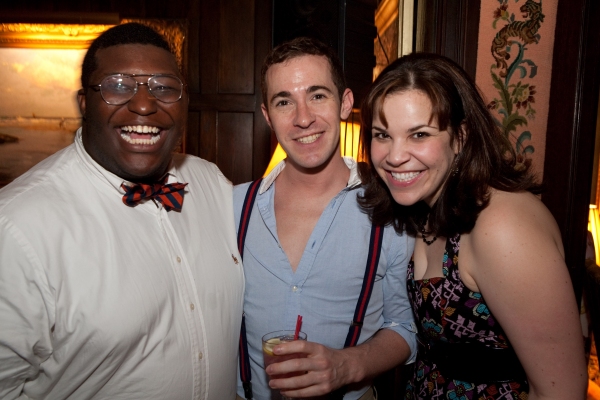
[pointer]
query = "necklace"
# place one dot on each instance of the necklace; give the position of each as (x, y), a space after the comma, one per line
(424, 233)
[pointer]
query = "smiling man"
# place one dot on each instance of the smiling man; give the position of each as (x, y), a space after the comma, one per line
(110, 286)
(307, 246)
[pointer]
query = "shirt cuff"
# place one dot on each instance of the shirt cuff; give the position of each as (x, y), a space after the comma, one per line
(408, 331)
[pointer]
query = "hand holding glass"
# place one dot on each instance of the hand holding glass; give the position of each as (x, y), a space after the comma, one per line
(270, 340)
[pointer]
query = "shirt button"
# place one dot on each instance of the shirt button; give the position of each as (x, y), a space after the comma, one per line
(192, 306)
(178, 259)
(294, 288)
(200, 355)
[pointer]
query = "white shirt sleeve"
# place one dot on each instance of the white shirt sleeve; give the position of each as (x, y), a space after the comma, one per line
(25, 330)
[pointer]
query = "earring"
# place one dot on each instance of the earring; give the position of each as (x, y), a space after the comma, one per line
(455, 170)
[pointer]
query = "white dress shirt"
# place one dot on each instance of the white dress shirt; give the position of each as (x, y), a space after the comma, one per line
(101, 300)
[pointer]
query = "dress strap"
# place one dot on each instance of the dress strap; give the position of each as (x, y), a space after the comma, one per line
(450, 260)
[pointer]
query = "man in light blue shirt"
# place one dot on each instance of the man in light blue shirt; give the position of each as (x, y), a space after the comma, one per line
(307, 243)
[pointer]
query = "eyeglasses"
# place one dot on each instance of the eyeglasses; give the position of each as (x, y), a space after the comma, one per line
(118, 89)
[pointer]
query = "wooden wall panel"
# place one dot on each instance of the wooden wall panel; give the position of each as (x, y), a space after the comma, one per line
(207, 137)
(234, 38)
(236, 58)
(232, 145)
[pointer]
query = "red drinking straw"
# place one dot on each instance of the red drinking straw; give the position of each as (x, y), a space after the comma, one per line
(298, 325)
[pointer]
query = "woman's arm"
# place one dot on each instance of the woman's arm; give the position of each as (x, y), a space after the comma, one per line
(514, 256)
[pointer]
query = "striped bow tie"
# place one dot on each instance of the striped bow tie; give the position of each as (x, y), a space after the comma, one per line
(170, 195)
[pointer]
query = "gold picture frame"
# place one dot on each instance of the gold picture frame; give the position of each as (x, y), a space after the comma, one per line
(80, 36)
(49, 36)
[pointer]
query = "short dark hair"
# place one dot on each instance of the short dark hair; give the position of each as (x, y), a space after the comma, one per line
(130, 33)
(303, 46)
(486, 160)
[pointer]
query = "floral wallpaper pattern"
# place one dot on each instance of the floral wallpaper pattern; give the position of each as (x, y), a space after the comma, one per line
(516, 38)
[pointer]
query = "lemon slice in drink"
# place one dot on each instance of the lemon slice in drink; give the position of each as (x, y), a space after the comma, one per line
(270, 344)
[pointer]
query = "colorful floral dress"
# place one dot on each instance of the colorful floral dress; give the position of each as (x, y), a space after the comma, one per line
(446, 310)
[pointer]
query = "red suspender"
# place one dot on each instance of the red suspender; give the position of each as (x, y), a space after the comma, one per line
(375, 245)
(245, 371)
(246, 211)
(367, 286)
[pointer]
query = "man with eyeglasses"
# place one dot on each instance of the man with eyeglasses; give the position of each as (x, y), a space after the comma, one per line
(111, 286)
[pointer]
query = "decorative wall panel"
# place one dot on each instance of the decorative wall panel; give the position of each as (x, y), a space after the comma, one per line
(514, 67)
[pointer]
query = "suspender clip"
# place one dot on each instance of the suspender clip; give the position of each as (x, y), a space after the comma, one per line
(247, 390)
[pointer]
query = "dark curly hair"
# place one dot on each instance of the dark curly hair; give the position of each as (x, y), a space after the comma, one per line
(486, 160)
(303, 46)
(130, 33)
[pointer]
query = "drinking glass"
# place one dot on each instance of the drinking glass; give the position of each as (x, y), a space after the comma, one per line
(271, 340)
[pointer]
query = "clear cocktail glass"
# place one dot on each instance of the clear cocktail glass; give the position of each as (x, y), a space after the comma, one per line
(271, 340)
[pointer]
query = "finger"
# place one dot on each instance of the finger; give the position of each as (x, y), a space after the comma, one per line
(296, 346)
(304, 385)
(309, 390)
(294, 365)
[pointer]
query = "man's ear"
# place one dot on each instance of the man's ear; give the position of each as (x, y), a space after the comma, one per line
(81, 102)
(347, 103)
(265, 112)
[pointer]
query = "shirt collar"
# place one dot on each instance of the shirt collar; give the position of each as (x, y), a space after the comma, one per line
(268, 180)
(107, 176)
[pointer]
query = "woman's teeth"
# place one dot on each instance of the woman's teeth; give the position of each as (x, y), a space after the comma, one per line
(404, 176)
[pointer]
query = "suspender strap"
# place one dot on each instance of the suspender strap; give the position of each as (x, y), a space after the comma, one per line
(245, 371)
(375, 245)
(246, 211)
(367, 286)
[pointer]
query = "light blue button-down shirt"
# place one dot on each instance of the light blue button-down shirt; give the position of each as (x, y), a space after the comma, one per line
(327, 282)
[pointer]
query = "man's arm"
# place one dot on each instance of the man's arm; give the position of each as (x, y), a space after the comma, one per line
(24, 333)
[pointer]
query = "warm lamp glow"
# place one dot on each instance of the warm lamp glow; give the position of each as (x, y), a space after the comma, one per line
(278, 155)
(594, 226)
(349, 140)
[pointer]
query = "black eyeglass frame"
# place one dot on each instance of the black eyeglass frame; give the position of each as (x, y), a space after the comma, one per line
(98, 87)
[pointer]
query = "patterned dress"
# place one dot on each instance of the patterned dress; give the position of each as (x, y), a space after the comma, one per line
(446, 310)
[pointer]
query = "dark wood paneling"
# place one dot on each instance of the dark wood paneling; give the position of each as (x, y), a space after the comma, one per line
(571, 126)
(262, 147)
(235, 36)
(232, 145)
(236, 58)
(208, 137)
(450, 28)
(223, 102)
(193, 128)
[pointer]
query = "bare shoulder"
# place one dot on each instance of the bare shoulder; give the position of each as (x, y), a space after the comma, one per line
(514, 236)
(518, 218)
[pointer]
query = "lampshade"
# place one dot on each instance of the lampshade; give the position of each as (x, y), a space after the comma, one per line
(349, 143)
